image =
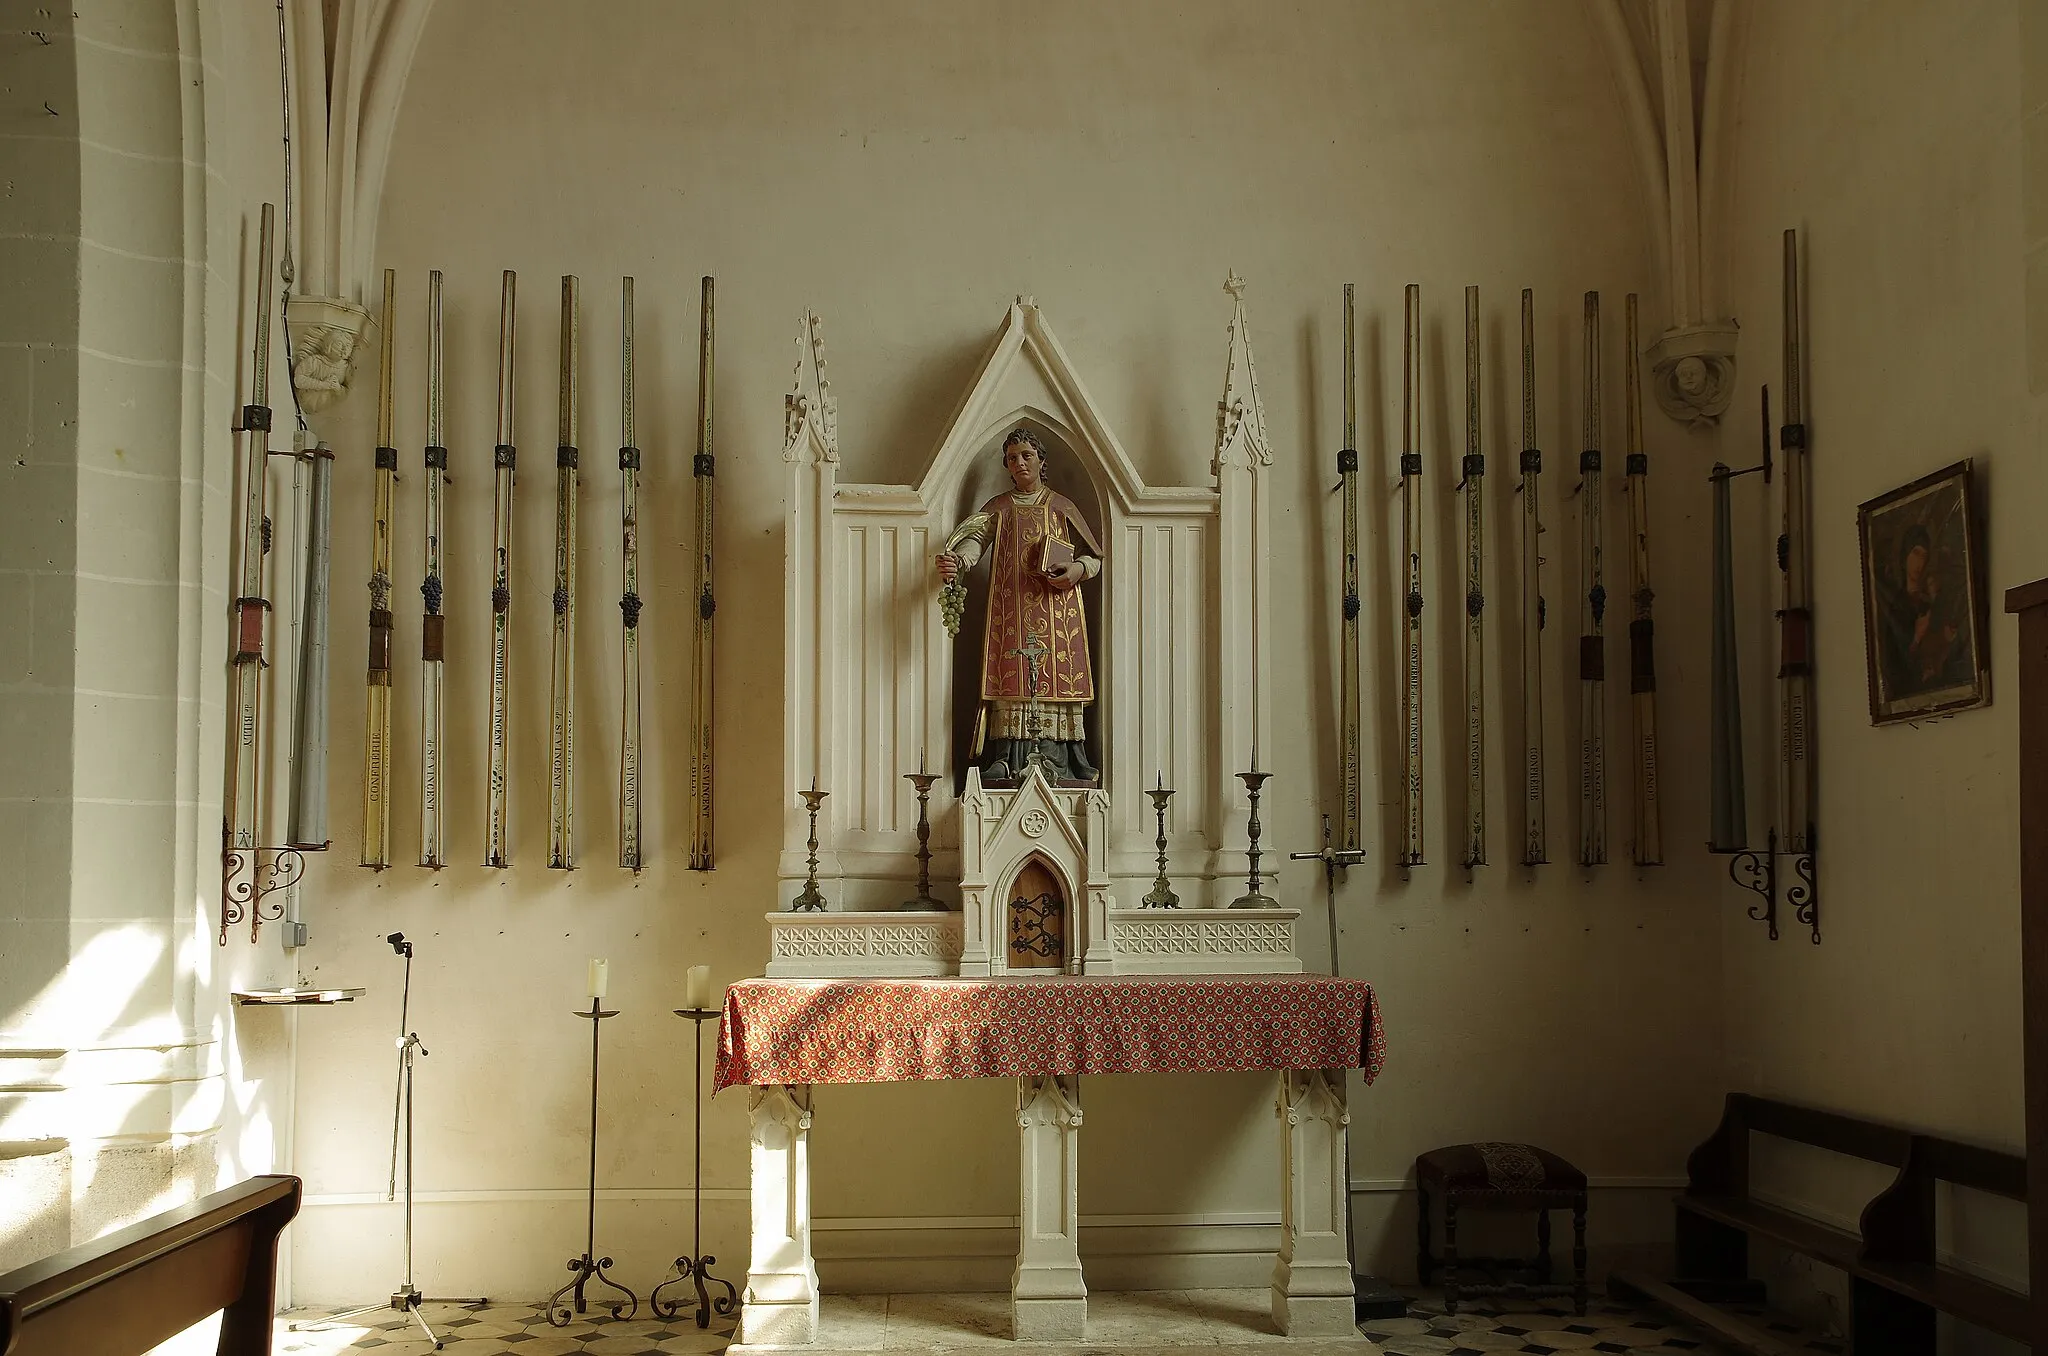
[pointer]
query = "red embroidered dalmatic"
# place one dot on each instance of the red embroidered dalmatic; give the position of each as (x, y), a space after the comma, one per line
(1021, 603)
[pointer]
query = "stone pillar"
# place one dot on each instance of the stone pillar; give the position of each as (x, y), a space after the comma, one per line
(1312, 1289)
(1048, 1301)
(781, 1301)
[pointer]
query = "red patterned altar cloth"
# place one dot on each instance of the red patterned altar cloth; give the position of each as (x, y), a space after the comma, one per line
(893, 1030)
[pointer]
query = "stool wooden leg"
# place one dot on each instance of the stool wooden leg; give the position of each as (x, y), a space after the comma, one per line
(1543, 1244)
(1424, 1263)
(1579, 1255)
(1450, 1252)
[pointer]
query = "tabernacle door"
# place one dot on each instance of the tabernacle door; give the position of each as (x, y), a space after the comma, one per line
(1036, 918)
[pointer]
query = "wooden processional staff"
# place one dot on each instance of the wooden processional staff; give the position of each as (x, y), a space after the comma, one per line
(700, 684)
(1642, 659)
(377, 703)
(629, 598)
(1535, 833)
(1349, 843)
(1411, 578)
(1472, 483)
(244, 756)
(1795, 671)
(1593, 614)
(433, 622)
(497, 825)
(562, 679)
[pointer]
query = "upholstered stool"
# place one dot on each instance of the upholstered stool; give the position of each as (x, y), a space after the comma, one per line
(1500, 1177)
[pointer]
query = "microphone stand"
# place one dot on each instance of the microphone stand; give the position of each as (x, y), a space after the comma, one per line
(407, 1298)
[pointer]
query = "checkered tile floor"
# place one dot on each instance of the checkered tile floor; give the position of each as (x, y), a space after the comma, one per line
(1487, 1327)
(500, 1330)
(1153, 1320)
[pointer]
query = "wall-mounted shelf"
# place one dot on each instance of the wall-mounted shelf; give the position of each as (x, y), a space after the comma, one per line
(292, 998)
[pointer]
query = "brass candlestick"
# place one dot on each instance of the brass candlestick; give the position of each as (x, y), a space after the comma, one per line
(1162, 895)
(922, 780)
(1255, 896)
(810, 901)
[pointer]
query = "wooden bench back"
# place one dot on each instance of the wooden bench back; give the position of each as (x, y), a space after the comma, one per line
(137, 1287)
(1899, 1222)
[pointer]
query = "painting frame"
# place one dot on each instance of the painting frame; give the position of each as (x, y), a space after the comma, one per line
(1926, 617)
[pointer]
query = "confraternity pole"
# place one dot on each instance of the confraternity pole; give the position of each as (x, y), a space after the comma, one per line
(700, 686)
(1795, 670)
(1411, 578)
(1347, 696)
(377, 702)
(1593, 616)
(1473, 482)
(1642, 661)
(433, 621)
(562, 678)
(497, 827)
(244, 755)
(630, 850)
(1535, 833)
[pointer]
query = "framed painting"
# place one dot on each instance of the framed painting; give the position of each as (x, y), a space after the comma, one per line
(1924, 612)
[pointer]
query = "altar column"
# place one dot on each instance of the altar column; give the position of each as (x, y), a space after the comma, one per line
(1048, 1300)
(781, 1300)
(1312, 1288)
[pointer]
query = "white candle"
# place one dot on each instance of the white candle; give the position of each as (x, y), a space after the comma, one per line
(697, 987)
(600, 971)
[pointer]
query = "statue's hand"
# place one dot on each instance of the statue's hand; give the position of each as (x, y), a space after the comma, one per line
(1066, 576)
(949, 566)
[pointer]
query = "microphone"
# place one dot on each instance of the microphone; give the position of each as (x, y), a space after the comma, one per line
(399, 944)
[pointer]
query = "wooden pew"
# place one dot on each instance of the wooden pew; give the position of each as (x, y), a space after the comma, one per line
(1897, 1285)
(139, 1286)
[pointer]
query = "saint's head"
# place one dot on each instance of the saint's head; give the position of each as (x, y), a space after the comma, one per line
(1024, 459)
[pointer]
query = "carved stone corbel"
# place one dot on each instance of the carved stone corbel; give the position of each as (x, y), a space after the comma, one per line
(326, 334)
(1693, 373)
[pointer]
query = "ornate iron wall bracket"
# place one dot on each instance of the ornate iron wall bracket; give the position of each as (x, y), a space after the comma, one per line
(246, 876)
(1758, 872)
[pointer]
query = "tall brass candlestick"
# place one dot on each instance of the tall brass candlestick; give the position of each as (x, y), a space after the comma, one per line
(922, 780)
(810, 900)
(1161, 895)
(1255, 896)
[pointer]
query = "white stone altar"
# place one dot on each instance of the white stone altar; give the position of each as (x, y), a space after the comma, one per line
(1178, 650)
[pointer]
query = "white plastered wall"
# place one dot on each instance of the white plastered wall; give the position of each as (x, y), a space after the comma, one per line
(130, 1085)
(904, 170)
(1890, 136)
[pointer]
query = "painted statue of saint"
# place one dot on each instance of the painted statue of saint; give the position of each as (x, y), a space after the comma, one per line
(1036, 680)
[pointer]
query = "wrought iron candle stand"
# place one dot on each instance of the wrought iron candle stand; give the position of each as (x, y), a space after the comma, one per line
(1161, 895)
(811, 901)
(590, 1265)
(697, 1266)
(1254, 897)
(924, 903)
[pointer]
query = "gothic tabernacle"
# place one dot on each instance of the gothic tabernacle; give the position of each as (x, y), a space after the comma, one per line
(1036, 679)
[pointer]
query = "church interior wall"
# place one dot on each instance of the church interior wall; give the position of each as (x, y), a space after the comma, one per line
(904, 171)
(131, 1086)
(1890, 136)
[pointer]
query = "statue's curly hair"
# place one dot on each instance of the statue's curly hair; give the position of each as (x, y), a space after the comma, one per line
(1026, 437)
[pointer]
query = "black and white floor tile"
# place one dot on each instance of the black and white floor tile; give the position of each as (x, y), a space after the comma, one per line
(1486, 1327)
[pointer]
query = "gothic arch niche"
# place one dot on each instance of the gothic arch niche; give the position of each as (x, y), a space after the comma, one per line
(1038, 917)
(1073, 473)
